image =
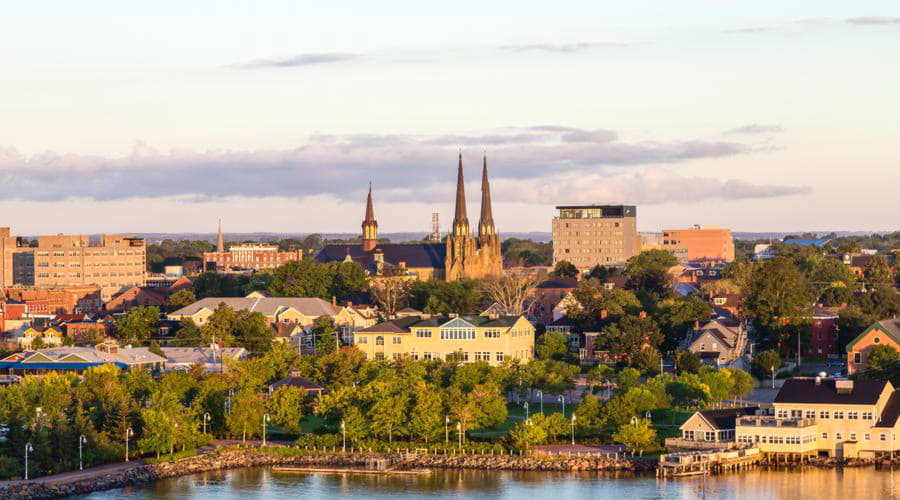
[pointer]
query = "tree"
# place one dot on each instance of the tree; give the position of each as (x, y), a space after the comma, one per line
(188, 334)
(878, 272)
(830, 273)
(388, 414)
(628, 378)
(779, 295)
(158, 432)
(565, 269)
(303, 278)
(525, 435)
(427, 416)
(245, 419)
(286, 408)
(764, 362)
(596, 306)
(443, 297)
(179, 299)
(630, 336)
(347, 278)
(881, 356)
(155, 349)
(252, 332)
(648, 273)
(632, 403)
(687, 362)
(325, 335)
(588, 416)
(677, 315)
(553, 345)
(742, 383)
(138, 325)
(390, 291)
(648, 360)
(509, 292)
(219, 327)
(637, 436)
(37, 343)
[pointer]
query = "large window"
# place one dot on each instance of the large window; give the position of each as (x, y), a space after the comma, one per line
(457, 333)
(423, 333)
(379, 340)
(492, 333)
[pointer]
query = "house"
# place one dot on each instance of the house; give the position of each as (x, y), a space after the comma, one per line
(726, 304)
(86, 332)
(296, 380)
(491, 339)
(297, 336)
(825, 417)
(543, 297)
(823, 339)
(884, 332)
(79, 359)
(723, 336)
(710, 429)
(49, 336)
(210, 358)
(590, 354)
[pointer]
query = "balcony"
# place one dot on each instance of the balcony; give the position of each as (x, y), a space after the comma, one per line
(698, 445)
(776, 422)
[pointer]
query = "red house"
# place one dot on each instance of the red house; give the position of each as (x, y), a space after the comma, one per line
(824, 338)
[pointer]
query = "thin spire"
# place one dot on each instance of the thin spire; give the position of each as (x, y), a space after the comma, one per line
(460, 218)
(370, 211)
(220, 243)
(369, 225)
(487, 216)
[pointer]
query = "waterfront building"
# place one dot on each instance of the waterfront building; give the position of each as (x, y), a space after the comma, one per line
(491, 339)
(462, 256)
(699, 243)
(591, 235)
(246, 256)
(884, 332)
(710, 429)
(79, 359)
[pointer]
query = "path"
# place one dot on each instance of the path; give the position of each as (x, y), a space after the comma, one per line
(78, 475)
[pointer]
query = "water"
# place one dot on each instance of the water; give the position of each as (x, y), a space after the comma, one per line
(243, 484)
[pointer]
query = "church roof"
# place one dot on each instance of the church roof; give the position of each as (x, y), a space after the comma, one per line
(413, 254)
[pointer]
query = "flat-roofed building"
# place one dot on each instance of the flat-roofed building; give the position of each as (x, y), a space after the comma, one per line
(699, 243)
(253, 256)
(591, 235)
(491, 339)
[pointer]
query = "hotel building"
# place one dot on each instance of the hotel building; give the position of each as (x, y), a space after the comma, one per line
(696, 243)
(590, 235)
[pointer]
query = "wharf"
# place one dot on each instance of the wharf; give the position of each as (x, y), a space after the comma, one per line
(701, 462)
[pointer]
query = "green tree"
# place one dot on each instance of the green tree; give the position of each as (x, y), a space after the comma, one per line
(632, 403)
(219, 327)
(878, 272)
(565, 269)
(304, 278)
(252, 332)
(179, 299)
(648, 273)
(629, 336)
(525, 435)
(155, 349)
(742, 383)
(677, 315)
(158, 432)
(553, 345)
(138, 325)
(37, 343)
(188, 334)
(588, 416)
(388, 414)
(648, 360)
(347, 278)
(687, 362)
(325, 334)
(246, 415)
(285, 408)
(628, 378)
(637, 436)
(830, 273)
(881, 356)
(764, 362)
(779, 295)
(427, 416)
(595, 306)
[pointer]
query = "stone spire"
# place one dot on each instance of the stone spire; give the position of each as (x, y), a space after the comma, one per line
(369, 225)
(486, 222)
(460, 221)
(220, 243)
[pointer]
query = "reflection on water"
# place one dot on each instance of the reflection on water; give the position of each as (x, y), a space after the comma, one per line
(855, 483)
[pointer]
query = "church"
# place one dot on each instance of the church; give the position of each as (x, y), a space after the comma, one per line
(462, 256)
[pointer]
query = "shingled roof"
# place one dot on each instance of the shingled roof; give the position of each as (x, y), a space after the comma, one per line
(726, 418)
(412, 254)
(404, 325)
(268, 306)
(808, 391)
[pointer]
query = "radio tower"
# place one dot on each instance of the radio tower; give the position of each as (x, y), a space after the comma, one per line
(435, 227)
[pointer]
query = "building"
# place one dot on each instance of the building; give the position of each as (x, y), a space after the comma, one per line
(827, 418)
(710, 429)
(49, 336)
(823, 339)
(591, 235)
(698, 244)
(16, 260)
(211, 359)
(144, 296)
(718, 341)
(83, 299)
(542, 298)
(884, 332)
(79, 359)
(246, 256)
(471, 338)
(462, 256)
(297, 380)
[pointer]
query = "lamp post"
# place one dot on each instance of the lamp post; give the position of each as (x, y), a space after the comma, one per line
(573, 429)
(128, 434)
(81, 441)
(773, 375)
(447, 429)
(28, 449)
(526, 409)
(541, 395)
(265, 420)
(228, 402)
(459, 433)
(562, 399)
(206, 418)
(344, 435)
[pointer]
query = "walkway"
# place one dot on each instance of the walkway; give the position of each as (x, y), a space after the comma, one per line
(78, 475)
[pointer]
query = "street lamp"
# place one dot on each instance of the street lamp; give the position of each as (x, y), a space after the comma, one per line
(526, 409)
(447, 429)
(128, 434)
(459, 433)
(228, 402)
(562, 399)
(573, 429)
(773, 375)
(81, 441)
(265, 419)
(541, 395)
(28, 449)
(206, 418)
(344, 433)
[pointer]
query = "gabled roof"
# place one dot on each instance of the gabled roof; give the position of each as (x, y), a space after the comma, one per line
(807, 391)
(413, 254)
(891, 411)
(404, 325)
(201, 355)
(561, 282)
(296, 381)
(268, 306)
(726, 418)
(889, 327)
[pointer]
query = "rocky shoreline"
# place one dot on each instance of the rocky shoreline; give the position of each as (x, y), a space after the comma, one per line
(252, 457)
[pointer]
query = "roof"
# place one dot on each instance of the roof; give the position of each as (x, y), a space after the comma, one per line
(54, 357)
(201, 355)
(268, 306)
(562, 282)
(296, 381)
(890, 327)
(403, 325)
(412, 254)
(726, 418)
(821, 242)
(891, 411)
(806, 390)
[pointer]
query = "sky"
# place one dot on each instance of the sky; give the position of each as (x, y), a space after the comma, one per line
(274, 116)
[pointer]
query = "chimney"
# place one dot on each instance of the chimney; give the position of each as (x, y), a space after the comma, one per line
(334, 300)
(696, 325)
(643, 314)
(349, 304)
(603, 314)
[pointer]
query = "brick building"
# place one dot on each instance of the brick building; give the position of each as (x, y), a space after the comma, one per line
(246, 256)
(590, 235)
(699, 244)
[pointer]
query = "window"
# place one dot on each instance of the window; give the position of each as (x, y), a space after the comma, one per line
(379, 340)
(427, 356)
(688, 435)
(796, 413)
(824, 435)
(852, 436)
(379, 356)
(396, 340)
(457, 333)
(882, 437)
(837, 436)
(782, 414)
(824, 415)
(423, 334)
(866, 437)
(810, 414)
(396, 356)
(492, 333)
(867, 415)
(839, 415)
(857, 358)
(499, 357)
(852, 415)
(710, 436)
(877, 340)
(482, 356)
(414, 356)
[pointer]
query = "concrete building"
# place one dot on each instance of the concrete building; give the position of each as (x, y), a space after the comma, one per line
(471, 338)
(247, 256)
(591, 235)
(699, 244)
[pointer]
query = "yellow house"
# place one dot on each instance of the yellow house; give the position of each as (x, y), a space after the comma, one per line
(710, 429)
(491, 339)
(827, 417)
(50, 336)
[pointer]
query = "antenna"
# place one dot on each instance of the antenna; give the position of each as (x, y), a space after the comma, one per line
(435, 227)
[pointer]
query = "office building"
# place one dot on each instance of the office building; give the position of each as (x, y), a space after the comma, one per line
(591, 235)
(699, 243)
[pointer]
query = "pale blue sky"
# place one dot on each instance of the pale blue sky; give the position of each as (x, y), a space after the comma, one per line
(164, 116)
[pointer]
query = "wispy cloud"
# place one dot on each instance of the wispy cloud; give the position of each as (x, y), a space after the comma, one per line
(297, 61)
(562, 47)
(755, 128)
(873, 20)
(406, 167)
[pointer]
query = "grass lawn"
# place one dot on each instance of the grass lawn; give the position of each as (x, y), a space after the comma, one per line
(311, 423)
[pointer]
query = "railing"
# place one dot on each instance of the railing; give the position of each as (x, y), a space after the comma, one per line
(690, 443)
(775, 422)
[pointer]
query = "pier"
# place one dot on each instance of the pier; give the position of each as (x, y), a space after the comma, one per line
(701, 462)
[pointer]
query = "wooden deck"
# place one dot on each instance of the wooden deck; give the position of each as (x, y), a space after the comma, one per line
(692, 463)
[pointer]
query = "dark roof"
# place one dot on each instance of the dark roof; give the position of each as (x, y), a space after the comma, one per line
(805, 390)
(296, 381)
(726, 418)
(403, 325)
(891, 411)
(562, 282)
(413, 254)
(708, 354)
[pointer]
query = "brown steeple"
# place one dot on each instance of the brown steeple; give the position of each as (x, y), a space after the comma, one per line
(486, 222)
(220, 244)
(369, 225)
(460, 221)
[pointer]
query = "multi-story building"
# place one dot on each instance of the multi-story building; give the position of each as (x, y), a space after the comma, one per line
(84, 299)
(246, 256)
(591, 235)
(16, 260)
(699, 244)
(491, 339)
(826, 417)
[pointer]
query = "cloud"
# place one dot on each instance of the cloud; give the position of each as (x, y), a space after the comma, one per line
(404, 167)
(748, 31)
(565, 48)
(298, 60)
(873, 20)
(755, 128)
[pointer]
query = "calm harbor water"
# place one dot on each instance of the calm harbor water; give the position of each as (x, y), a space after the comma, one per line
(820, 484)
